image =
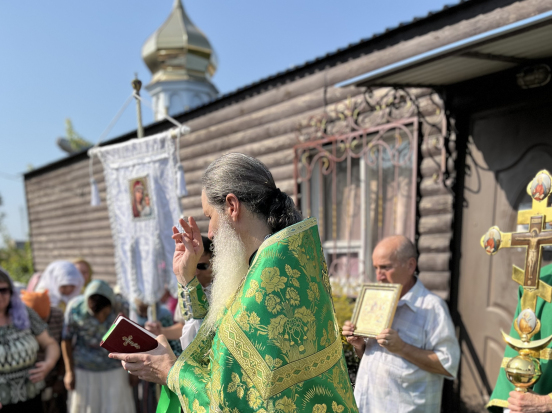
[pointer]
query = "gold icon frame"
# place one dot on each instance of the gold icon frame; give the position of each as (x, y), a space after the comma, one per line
(375, 308)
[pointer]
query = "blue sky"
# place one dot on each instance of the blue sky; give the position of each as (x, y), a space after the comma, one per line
(75, 59)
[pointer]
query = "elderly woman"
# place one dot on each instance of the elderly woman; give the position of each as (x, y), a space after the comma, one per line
(22, 333)
(96, 383)
(63, 281)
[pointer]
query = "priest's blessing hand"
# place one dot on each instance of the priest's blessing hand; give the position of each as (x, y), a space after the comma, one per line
(529, 402)
(188, 249)
(153, 366)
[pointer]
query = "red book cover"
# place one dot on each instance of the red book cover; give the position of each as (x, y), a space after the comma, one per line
(125, 336)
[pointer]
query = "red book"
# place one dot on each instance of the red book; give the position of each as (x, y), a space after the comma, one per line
(125, 336)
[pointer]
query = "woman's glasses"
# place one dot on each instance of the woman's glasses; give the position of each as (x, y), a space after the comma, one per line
(202, 266)
(5, 291)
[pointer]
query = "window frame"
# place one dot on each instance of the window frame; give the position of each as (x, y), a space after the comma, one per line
(332, 247)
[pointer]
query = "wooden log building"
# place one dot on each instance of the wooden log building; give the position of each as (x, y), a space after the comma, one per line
(431, 129)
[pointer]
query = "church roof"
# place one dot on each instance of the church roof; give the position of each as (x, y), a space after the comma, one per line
(179, 50)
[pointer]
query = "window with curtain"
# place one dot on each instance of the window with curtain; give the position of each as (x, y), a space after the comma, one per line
(361, 187)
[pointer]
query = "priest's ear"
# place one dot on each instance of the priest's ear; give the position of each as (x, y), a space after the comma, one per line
(233, 207)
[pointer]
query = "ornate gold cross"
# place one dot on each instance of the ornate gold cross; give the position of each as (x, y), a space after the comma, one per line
(533, 240)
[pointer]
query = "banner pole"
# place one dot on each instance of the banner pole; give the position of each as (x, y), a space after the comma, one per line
(137, 85)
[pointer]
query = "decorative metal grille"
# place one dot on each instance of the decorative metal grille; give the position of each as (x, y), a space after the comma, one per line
(356, 171)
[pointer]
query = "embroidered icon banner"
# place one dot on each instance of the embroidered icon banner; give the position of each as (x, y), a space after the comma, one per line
(141, 181)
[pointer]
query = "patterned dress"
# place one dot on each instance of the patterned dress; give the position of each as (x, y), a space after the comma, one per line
(18, 354)
(87, 333)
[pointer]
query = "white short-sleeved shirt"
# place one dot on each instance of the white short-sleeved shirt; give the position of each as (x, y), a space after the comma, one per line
(388, 383)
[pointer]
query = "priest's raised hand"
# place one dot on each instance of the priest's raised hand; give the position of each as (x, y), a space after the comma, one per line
(188, 250)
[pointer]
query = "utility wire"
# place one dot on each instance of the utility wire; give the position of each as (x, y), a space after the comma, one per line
(11, 177)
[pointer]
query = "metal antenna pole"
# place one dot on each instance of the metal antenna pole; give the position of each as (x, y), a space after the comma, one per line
(137, 85)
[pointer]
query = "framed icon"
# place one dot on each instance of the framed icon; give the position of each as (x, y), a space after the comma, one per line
(375, 308)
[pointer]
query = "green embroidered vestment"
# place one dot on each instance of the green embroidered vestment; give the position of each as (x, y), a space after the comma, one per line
(499, 398)
(278, 347)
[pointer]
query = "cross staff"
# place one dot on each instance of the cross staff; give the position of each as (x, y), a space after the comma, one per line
(539, 189)
(533, 240)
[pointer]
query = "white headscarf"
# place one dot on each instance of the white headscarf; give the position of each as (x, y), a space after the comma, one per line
(60, 273)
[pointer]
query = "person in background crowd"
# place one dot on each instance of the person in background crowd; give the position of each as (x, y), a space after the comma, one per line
(139, 313)
(85, 269)
(182, 315)
(146, 400)
(33, 282)
(96, 384)
(54, 396)
(22, 334)
(63, 281)
(169, 301)
(403, 368)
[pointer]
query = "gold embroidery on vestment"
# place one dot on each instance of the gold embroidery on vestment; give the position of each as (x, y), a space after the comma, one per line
(285, 233)
(270, 382)
(199, 310)
(498, 403)
(173, 381)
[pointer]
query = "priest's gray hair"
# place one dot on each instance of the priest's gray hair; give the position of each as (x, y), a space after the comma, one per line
(252, 183)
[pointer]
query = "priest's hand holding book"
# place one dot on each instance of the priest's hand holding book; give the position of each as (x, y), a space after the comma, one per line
(142, 354)
(153, 366)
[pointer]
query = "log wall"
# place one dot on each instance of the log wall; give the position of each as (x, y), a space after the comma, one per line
(261, 121)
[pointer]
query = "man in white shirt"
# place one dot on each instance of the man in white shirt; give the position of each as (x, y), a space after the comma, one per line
(404, 367)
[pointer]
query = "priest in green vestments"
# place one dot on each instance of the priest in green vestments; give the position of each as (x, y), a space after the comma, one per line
(269, 340)
(540, 400)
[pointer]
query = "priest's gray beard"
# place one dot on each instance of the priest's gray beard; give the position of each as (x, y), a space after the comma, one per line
(230, 265)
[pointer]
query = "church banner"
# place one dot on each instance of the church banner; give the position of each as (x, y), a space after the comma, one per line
(141, 180)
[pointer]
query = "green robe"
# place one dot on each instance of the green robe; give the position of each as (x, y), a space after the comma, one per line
(278, 346)
(499, 398)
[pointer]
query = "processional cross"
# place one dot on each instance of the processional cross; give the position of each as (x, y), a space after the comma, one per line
(524, 370)
(533, 240)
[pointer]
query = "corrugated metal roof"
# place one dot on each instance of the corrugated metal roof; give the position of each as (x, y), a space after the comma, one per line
(295, 68)
(446, 71)
(534, 44)
(520, 43)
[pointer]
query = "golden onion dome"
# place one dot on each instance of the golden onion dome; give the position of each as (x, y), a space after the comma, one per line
(179, 50)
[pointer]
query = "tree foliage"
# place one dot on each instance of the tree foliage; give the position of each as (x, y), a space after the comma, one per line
(344, 307)
(17, 261)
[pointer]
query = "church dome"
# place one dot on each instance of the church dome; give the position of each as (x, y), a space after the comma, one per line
(179, 50)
